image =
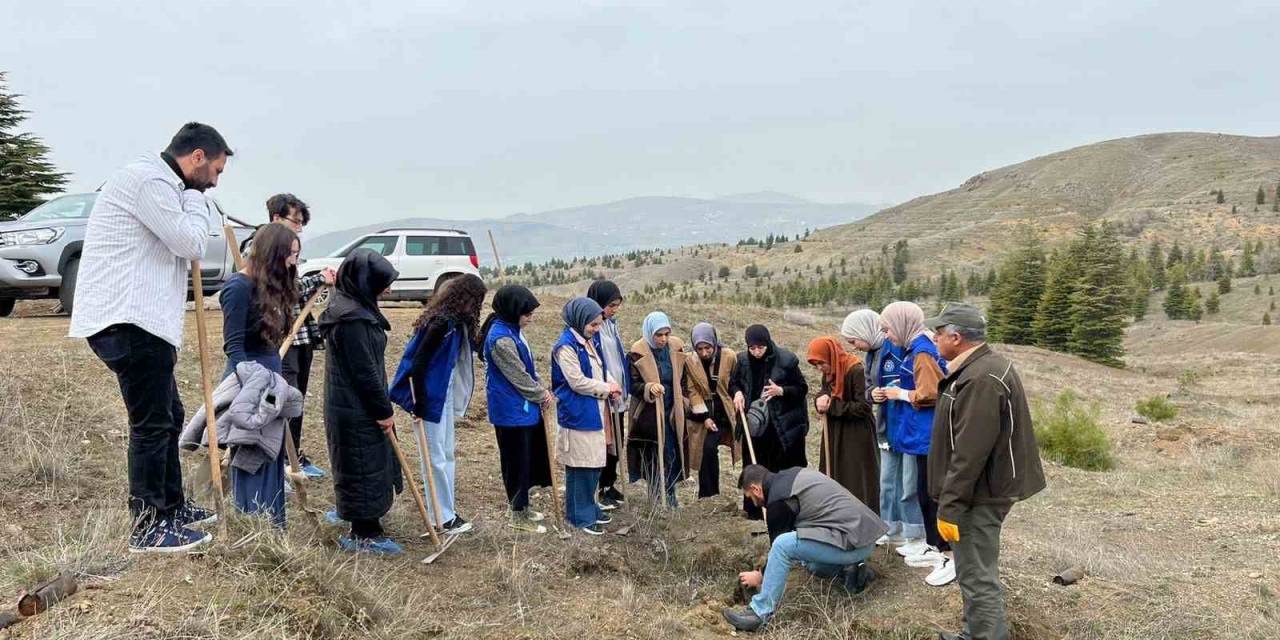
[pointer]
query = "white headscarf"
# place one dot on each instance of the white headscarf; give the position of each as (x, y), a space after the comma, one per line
(864, 325)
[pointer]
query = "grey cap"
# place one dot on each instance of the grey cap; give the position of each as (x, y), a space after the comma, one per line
(960, 314)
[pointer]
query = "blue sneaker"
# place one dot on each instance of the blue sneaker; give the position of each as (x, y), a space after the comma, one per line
(331, 517)
(312, 471)
(190, 515)
(166, 537)
(382, 546)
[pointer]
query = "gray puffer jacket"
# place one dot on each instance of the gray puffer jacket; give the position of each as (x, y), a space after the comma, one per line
(253, 407)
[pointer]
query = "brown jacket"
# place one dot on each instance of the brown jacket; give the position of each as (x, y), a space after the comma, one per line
(697, 392)
(644, 423)
(984, 446)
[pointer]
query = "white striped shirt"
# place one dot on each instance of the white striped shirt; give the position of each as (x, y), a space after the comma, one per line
(143, 231)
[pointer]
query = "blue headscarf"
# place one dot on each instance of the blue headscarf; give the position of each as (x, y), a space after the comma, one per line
(653, 323)
(579, 312)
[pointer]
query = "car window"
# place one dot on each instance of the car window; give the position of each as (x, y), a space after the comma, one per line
(423, 246)
(438, 246)
(65, 208)
(385, 245)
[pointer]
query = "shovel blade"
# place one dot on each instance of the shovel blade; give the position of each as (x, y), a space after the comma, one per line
(444, 546)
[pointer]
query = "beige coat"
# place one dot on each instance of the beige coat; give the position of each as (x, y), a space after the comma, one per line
(697, 392)
(642, 422)
(576, 448)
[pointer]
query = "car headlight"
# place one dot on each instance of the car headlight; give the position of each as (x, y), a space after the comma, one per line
(46, 235)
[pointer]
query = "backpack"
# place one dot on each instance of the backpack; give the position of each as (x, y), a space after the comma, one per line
(758, 418)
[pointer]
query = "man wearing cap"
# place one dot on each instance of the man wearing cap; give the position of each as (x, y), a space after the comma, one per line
(982, 459)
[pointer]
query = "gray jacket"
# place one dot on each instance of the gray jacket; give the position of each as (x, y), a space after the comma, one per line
(253, 407)
(820, 509)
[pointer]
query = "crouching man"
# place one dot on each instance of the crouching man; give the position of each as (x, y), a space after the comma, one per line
(814, 522)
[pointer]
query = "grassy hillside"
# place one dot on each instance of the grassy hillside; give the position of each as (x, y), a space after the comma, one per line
(1171, 538)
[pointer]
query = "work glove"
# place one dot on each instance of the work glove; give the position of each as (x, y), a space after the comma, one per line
(948, 531)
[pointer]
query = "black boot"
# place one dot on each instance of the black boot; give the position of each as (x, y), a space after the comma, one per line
(858, 577)
(744, 620)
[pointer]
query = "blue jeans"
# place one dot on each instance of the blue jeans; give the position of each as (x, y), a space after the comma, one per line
(899, 504)
(580, 508)
(821, 559)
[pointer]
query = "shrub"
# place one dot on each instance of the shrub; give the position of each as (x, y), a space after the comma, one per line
(1156, 409)
(1069, 433)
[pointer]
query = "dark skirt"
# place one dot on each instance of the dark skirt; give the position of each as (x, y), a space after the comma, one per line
(261, 491)
(522, 453)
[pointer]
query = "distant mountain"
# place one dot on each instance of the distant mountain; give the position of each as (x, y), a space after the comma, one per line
(625, 225)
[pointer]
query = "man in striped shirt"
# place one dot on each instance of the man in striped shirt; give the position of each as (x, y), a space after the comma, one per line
(150, 220)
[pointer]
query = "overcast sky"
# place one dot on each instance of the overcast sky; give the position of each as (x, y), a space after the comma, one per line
(472, 109)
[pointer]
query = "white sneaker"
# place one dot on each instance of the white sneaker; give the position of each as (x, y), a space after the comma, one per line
(944, 575)
(913, 548)
(931, 559)
(890, 539)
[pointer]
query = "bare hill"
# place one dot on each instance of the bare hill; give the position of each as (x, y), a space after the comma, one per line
(1154, 186)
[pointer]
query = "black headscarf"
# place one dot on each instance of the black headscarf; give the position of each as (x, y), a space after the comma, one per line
(604, 292)
(509, 304)
(758, 335)
(362, 277)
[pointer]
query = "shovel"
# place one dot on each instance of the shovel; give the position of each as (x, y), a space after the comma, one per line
(551, 423)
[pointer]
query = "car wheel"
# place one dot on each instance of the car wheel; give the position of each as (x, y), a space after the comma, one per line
(67, 293)
(6, 306)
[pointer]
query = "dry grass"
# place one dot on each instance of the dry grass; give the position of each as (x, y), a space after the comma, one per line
(1169, 538)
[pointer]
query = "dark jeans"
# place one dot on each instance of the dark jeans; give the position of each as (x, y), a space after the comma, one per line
(929, 507)
(296, 369)
(144, 366)
(580, 508)
(609, 474)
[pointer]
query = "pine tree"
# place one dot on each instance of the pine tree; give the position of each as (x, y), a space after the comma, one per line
(901, 256)
(1266, 319)
(1175, 256)
(1139, 288)
(1257, 289)
(1222, 197)
(1100, 304)
(1016, 294)
(1261, 198)
(1155, 266)
(1175, 299)
(26, 175)
(1053, 323)
(1212, 303)
(1224, 284)
(1248, 267)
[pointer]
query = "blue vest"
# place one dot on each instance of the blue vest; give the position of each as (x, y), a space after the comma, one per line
(575, 411)
(887, 375)
(910, 428)
(507, 408)
(435, 384)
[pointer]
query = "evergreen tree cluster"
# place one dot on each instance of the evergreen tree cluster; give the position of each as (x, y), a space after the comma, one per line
(1076, 300)
(26, 175)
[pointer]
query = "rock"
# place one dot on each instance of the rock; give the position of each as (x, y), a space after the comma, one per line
(1255, 575)
(1139, 420)
(799, 318)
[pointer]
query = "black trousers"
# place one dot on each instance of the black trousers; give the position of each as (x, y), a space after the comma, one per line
(366, 529)
(709, 469)
(515, 451)
(609, 475)
(144, 366)
(296, 369)
(928, 506)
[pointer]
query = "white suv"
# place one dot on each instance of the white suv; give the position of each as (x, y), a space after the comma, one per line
(425, 258)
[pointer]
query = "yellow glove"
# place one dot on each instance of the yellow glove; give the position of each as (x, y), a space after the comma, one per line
(948, 531)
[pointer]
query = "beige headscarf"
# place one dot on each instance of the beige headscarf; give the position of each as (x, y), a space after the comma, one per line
(905, 320)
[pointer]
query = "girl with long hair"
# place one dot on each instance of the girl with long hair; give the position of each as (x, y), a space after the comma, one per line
(436, 379)
(257, 306)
